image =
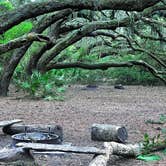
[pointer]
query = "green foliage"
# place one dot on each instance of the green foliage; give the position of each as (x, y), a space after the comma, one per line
(154, 143)
(5, 5)
(149, 157)
(132, 76)
(50, 85)
(11, 34)
(149, 143)
(127, 76)
(16, 31)
(40, 85)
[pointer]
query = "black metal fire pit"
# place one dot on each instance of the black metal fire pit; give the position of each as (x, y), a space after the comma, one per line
(37, 137)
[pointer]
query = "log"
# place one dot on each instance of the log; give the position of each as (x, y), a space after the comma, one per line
(52, 152)
(115, 148)
(21, 128)
(128, 150)
(61, 148)
(101, 160)
(9, 122)
(15, 154)
(108, 133)
(133, 150)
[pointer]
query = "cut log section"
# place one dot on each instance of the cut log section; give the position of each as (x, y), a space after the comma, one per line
(61, 148)
(15, 154)
(21, 128)
(108, 133)
(9, 122)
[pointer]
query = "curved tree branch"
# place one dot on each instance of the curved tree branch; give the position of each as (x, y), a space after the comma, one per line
(37, 55)
(105, 66)
(23, 40)
(152, 21)
(140, 49)
(35, 9)
(87, 29)
(149, 37)
(39, 28)
(19, 53)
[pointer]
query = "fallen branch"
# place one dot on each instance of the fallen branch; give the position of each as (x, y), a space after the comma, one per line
(101, 156)
(61, 148)
(128, 150)
(9, 122)
(101, 160)
(113, 148)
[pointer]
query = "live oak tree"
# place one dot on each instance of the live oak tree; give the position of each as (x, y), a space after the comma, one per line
(60, 24)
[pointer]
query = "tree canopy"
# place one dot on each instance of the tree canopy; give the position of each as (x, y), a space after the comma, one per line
(108, 28)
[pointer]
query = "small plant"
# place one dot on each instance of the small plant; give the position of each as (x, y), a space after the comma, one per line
(150, 143)
(41, 86)
(157, 142)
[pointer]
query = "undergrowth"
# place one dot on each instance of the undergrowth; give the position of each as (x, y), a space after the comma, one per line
(155, 143)
(52, 84)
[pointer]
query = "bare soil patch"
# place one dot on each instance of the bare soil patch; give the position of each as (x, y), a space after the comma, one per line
(83, 107)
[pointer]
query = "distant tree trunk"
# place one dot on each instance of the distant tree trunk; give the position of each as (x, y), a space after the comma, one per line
(9, 71)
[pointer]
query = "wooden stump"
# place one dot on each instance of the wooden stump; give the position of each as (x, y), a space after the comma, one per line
(108, 133)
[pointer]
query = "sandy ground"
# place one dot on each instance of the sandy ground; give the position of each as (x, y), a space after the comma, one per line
(130, 107)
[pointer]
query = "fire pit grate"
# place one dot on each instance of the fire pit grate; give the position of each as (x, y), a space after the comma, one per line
(37, 137)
